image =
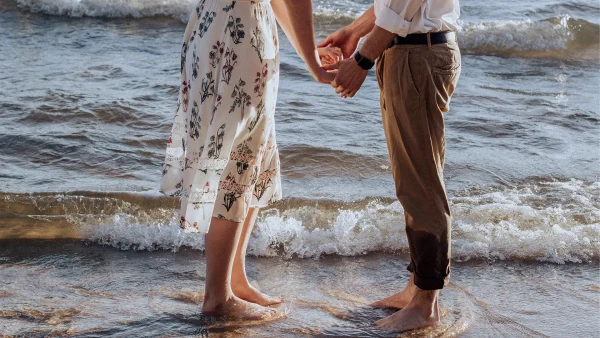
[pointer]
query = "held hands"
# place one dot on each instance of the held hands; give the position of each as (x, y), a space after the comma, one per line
(330, 55)
(344, 39)
(349, 77)
(316, 70)
(325, 56)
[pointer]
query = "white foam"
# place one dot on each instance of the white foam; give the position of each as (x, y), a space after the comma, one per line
(552, 33)
(507, 37)
(528, 222)
(179, 9)
(516, 35)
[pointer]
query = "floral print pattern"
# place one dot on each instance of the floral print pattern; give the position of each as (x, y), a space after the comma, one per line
(208, 87)
(260, 110)
(241, 98)
(216, 53)
(234, 26)
(229, 7)
(195, 120)
(200, 8)
(205, 23)
(229, 64)
(261, 81)
(222, 157)
(258, 43)
(184, 49)
(195, 65)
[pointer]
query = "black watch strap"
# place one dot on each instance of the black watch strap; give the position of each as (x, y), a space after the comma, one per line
(363, 62)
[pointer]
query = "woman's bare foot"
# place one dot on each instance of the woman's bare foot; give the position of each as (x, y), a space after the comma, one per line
(250, 294)
(422, 311)
(399, 300)
(238, 309)
(240, 285)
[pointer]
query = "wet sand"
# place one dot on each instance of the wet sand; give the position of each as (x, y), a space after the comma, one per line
(71, 288)
(83, 126)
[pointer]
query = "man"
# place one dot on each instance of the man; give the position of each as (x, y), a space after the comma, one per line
(417, 69)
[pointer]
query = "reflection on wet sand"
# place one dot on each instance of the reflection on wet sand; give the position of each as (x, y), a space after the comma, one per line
(69, 288)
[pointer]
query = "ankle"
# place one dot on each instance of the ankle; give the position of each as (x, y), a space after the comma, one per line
(214, 301)
(241, 287)
(426, 302)
(239, 279)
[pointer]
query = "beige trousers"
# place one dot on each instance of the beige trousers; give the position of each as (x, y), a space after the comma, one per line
(417, 82)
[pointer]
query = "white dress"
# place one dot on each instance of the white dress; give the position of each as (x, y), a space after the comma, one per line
(222, 157)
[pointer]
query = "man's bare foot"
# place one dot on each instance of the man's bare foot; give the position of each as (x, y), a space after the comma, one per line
(422, 311)
(238, 309)
(399, 300)
(250, 294)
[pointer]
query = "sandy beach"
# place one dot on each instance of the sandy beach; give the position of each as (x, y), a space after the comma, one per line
(68, 288)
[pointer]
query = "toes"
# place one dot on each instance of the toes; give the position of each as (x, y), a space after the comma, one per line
(383, 323)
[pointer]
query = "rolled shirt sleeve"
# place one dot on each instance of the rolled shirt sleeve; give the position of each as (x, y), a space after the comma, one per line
(390, 15)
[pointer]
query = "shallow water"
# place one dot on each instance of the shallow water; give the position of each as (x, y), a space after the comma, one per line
(67, 288)
(89, 247)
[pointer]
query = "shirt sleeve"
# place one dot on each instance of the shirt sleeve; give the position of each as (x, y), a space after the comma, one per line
(390, 15)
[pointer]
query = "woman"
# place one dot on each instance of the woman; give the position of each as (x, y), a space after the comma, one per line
(222, 158)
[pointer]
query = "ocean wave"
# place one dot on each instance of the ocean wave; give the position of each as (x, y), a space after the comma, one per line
(177, 9)
(556, 37)
(550, 221)
(553, 37)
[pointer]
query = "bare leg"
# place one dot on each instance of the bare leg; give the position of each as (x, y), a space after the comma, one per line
(239, 280)
(422, 311)
(400, 299)
(220, 243)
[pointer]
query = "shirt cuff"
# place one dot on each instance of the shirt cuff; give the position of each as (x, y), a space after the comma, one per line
(391, 21)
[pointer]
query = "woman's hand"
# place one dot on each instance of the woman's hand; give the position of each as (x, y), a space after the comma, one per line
(316, 69)
(330, 55)
(323, 76)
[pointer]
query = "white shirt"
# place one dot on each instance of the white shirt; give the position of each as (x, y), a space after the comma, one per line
(431, 16)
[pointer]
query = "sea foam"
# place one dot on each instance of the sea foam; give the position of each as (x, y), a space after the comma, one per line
(560, 36)
(522, 223)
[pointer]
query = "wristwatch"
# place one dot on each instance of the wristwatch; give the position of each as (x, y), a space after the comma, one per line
(363, 62)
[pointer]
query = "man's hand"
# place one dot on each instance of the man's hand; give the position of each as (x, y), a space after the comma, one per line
(344, 39)
(350, 77)
(347, 38)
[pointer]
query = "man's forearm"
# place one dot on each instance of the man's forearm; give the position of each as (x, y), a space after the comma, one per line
(376, 43)
(364, 24)
(379, 38)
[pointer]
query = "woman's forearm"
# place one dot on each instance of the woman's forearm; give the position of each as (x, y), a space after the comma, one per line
(296, 19)
(282, 16)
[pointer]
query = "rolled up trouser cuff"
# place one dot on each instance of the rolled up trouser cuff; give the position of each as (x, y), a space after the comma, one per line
(427, 283)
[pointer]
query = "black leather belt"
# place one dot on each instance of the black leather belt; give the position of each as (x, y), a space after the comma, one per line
(421, 38)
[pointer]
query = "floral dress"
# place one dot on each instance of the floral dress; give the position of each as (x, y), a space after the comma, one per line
(221, 156)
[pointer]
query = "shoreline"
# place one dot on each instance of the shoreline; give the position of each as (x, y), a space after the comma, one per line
(326, 297)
